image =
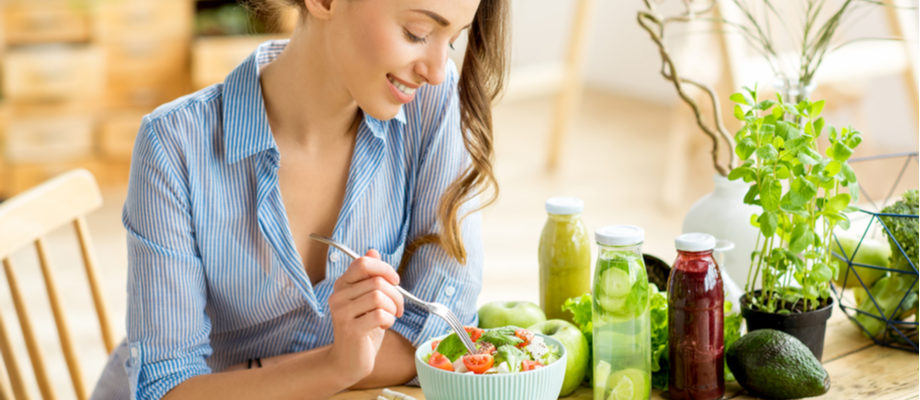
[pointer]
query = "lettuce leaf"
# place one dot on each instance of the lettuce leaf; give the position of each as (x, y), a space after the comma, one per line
(451, 347)
(658, 305)
(732, 327)
(512, 355)
(500, 336)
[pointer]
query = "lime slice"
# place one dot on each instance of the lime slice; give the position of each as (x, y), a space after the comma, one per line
(601, 372)
(616, 282)
(628, 384)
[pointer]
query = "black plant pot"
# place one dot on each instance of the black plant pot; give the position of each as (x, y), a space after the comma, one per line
(808, 327)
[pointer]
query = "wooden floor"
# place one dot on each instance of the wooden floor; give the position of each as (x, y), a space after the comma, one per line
(859, 370)
(611, 159)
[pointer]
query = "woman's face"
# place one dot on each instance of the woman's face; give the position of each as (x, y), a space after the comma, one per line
(383, 50)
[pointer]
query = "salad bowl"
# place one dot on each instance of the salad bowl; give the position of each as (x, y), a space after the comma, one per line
(539, 384)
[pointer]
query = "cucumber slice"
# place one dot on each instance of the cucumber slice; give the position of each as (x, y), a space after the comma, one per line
(616, 282)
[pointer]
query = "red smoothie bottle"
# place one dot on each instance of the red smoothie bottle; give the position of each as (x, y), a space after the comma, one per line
(695, 321)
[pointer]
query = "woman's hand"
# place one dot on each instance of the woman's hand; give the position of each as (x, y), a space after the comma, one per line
(364, 305)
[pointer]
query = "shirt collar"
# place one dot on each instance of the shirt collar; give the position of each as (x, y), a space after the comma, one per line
(245, 123)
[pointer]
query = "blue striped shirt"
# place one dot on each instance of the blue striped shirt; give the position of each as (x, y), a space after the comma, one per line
(214, 277)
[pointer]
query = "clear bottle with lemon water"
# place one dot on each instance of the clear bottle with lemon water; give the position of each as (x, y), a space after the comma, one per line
(622, 331)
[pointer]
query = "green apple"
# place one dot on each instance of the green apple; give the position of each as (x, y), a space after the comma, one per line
(503, 313)
(576, 348)
(871, 252)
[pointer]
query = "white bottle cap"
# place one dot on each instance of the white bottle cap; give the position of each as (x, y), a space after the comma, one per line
(565, 205)
(619, 235)
(695, 242)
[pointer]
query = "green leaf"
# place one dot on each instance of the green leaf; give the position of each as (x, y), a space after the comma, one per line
(451, 347)
(832, 168)
(838, 203)
(832, 133)
(848, 173)
(763, 105)
(768, 221)
(854, 191)
(816, 108)
(751, 195)
(510, 354)
(782, 172)
(801, 191)
(738, 172)
(819, 126)
(854, 140)
(839, 152)
(778, 112)
(739, 113)
(821, 273)
(801, 237)
(807, 156)
(770, 194)
(748, 95)
(745, 148)
(738, 98)
(767, 153)
(501, 336)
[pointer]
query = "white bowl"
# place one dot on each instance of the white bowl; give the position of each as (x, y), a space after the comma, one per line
(539, 384)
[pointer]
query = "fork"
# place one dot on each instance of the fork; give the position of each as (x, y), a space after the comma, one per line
(436, 309)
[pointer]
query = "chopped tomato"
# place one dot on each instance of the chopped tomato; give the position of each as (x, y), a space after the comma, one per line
(439, 361)
(524, 335)
(475, 333)
(478, 363)
(528, 365)
(434, 344)
(486, 348)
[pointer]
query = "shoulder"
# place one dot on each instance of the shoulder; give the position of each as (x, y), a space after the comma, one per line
(183, 122)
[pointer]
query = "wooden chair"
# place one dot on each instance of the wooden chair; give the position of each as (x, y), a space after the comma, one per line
(25, 220)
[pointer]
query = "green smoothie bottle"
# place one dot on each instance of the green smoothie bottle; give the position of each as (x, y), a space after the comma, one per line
(565, 256)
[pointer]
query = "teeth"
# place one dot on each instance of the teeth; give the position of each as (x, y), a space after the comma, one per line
(402, 88)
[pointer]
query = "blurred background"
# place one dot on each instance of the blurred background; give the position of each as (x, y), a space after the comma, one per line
(586, 114)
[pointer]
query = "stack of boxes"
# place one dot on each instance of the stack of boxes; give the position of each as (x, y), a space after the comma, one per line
(78, 75)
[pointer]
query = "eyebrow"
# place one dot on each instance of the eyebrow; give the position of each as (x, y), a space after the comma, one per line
(437, 18)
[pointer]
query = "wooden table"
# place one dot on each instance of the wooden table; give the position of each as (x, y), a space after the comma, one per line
(859, 370)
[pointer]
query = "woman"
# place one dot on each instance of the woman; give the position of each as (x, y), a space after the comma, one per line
(359, 128)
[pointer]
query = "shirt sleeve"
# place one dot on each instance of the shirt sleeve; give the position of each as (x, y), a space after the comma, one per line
(432, 274)
(168, 329)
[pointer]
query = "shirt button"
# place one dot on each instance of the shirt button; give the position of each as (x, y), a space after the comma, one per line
(334, 257)
(134, 352)
(449, 291)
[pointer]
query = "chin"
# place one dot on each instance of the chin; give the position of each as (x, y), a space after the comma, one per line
(382, 112)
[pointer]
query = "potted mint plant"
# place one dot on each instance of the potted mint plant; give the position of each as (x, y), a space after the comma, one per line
(804, 195)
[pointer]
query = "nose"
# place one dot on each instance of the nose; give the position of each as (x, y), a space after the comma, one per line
(432, 66)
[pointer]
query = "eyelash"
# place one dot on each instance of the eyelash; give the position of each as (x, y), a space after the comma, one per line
(416, 39)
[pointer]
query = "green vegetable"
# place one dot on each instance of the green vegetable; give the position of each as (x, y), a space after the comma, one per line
(512, 355)
(658, 303)
(889, 291)
(451, 347)
(869, 252)
(732, 327)
(580, 307)
(500, 336)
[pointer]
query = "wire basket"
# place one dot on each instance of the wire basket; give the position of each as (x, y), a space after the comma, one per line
(889, 317)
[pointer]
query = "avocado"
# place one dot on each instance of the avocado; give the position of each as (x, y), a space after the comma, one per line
(775, 365)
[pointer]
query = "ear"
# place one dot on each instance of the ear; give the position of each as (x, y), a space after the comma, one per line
(319, 9)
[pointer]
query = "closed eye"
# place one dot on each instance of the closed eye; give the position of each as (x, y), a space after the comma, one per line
(413, 38)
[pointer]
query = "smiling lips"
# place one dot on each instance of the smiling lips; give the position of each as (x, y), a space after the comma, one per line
(402, 92)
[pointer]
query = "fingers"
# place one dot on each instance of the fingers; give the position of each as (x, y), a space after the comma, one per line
(359, 289)
(376, 319)
(366, 267)
(368, 302)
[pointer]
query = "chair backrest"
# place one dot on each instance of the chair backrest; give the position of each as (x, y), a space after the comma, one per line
(25, 220)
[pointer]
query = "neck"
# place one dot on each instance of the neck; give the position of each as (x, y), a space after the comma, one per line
(305, 101)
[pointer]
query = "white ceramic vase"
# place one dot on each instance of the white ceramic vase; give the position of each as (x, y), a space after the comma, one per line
(724, 215)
